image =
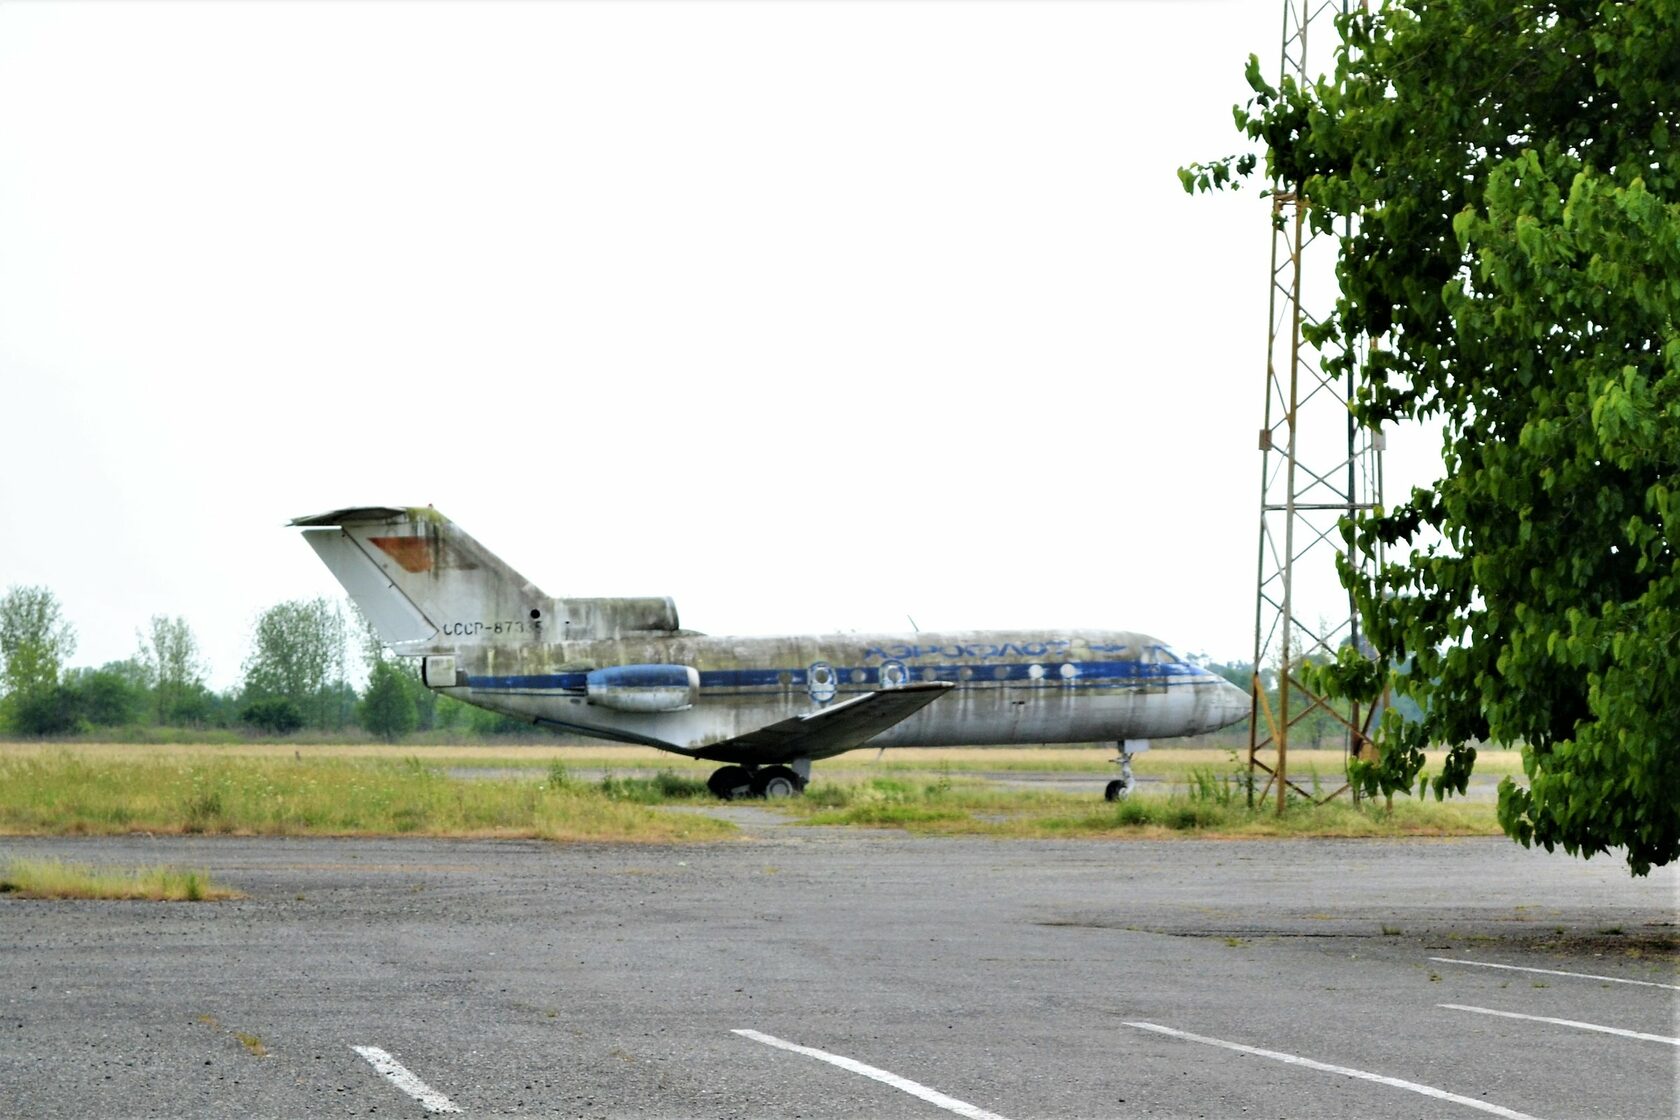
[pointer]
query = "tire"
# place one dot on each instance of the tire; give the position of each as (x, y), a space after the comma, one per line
(1115, 790)
(776, 781)
(726, 780)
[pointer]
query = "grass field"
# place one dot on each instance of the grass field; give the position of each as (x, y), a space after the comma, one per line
(616, 794)
(64, 792)
(1171, 763)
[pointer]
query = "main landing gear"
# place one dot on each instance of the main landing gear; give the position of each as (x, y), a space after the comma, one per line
(1124, 784)
(733, 783)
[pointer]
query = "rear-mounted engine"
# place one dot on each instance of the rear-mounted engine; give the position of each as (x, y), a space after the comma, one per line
(644, 688)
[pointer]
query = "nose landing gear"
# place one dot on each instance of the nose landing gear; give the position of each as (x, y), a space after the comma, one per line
(1125, 783)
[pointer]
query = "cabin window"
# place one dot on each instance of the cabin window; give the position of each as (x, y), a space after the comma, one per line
(1000, 673)
(966, 673)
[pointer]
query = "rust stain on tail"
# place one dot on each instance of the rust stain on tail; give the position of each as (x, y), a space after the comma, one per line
(414, 554)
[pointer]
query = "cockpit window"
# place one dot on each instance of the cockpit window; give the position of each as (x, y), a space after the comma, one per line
(1161, 655)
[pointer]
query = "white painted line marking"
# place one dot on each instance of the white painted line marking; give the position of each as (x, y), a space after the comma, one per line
(1294, 1060)
(1555, 972)
(1563, 1023)
(393, 1071)
(932, 1096)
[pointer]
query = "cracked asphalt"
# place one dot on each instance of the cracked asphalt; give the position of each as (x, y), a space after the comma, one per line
(533, 979)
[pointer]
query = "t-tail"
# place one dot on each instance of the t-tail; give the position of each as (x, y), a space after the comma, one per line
(427, 586)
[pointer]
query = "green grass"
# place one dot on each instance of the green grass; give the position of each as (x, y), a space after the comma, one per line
(1172, 763)
(51, 878)
(67, 794)
(1211, 809)
(347, 791)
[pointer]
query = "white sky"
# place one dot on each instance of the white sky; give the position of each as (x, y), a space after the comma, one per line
(811, 315)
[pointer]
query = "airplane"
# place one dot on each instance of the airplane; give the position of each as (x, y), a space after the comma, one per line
(622, 670)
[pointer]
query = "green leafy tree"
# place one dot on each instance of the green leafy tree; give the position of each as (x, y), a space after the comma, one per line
(405, 669)
(1509, 169)
(49, 710)
(298, 655)
(175, 671)
(111, 696)
(277, 715)
(387, 708)
(35, 641)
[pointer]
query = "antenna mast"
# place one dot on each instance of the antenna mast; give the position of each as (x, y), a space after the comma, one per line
(1316, 467)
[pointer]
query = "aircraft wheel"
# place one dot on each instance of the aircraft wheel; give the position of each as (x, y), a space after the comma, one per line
(726, 780)
(776, 781)
(1115, 791)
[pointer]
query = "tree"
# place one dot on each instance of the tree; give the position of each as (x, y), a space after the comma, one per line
(175, 671)
(111, 696)
(277, 715)
(298, 655)
(1510, 168)
(35, 641)
(406, 671)
(387, 708)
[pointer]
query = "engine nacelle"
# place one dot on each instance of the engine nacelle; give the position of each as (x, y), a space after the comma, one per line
(644, 688)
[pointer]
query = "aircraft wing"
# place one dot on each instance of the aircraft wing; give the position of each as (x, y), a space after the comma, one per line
(828, 731)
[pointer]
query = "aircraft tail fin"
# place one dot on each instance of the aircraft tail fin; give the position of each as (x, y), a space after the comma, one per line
(422, 581)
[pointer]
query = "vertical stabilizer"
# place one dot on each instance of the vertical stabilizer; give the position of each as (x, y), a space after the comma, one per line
(422, 581)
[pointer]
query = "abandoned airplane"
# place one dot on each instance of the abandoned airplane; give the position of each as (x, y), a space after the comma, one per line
(766, 707)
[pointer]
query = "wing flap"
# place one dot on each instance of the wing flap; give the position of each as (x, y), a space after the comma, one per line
(827, 731)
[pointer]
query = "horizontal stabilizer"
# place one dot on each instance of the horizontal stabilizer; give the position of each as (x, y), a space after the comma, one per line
(829, 731)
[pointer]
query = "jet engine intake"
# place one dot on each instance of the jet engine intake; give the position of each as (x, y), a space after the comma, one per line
(644, 688)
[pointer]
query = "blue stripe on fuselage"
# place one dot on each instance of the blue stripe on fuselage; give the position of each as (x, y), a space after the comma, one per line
(1133, 673)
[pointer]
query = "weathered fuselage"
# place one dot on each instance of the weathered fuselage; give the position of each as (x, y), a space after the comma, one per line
(623, 670)
(1009, 687)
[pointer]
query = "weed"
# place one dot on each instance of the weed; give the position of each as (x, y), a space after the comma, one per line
(1434, 977)
(943, 785)
(252, 1044)
(558, 778)
(203, 808)
(1235, 942)
(663, 786)
(57, 879)
(1212, 788)
(1391, 931)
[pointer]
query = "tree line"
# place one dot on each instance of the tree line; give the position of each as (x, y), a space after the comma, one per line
(296, 677)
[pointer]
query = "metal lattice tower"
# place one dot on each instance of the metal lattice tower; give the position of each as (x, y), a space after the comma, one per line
(1317, 466)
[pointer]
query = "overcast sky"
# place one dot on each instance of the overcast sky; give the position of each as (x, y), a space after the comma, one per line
(815, 316)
